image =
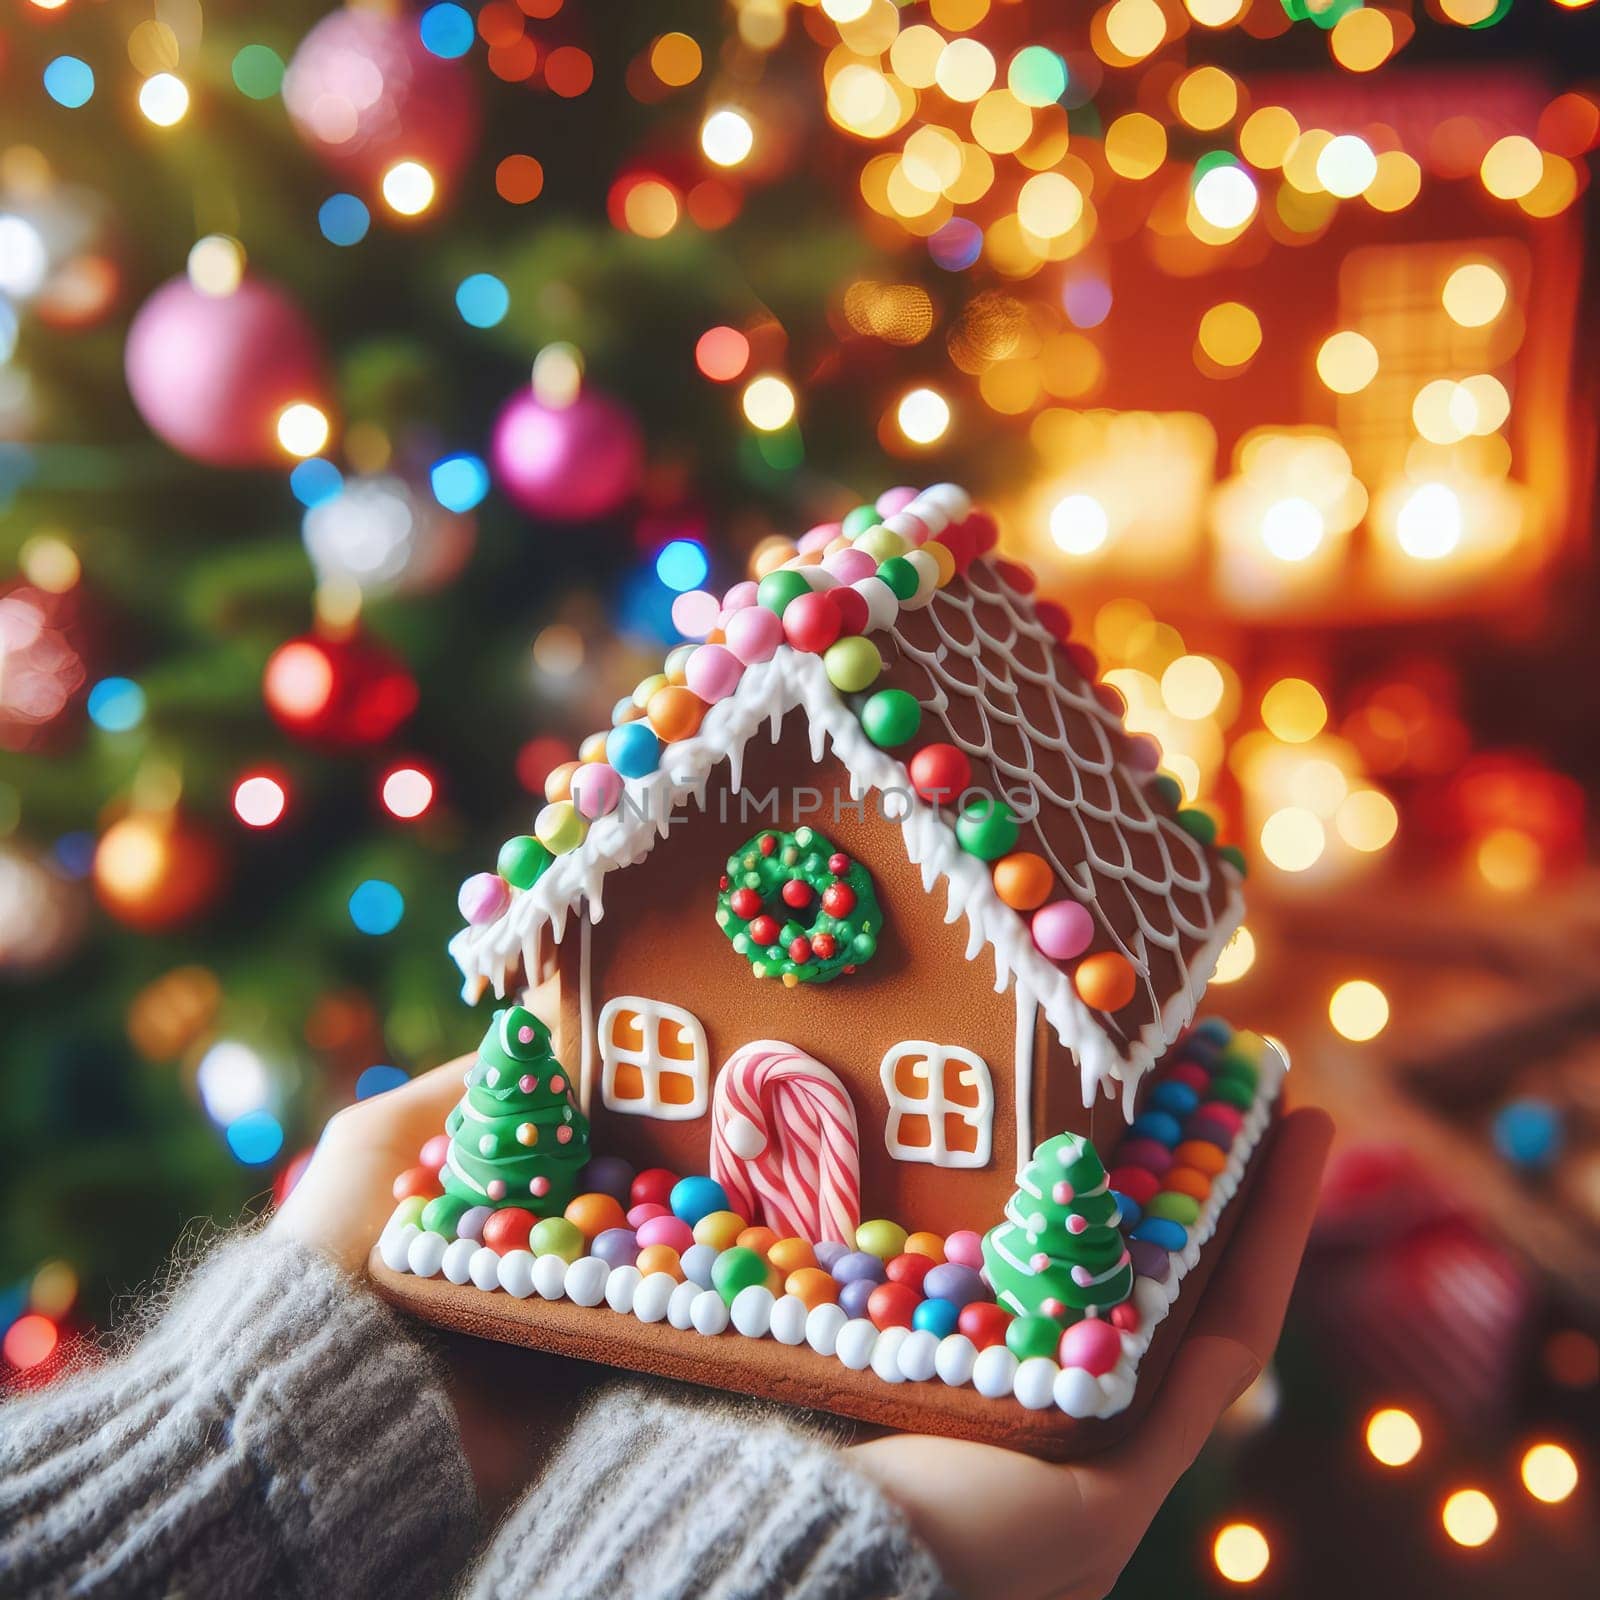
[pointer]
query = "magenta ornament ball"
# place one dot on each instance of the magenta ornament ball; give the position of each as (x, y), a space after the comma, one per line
(713, 672)
(568, 464)
(754, 634)
(1062, 929)
(364, 92)
(483, 897)
(211, 373)
(596, 789)
(1093, 1345)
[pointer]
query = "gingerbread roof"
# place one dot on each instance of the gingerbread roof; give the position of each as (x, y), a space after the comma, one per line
(996, 677)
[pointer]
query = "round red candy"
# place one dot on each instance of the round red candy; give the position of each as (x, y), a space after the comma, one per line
(422, 1181)
(1083, 658)
(765, 930)
(744, 903)
(640, 1214)
(653, 1187)
(1093, 1345)
(508, 1229)
(800, 951)
(796, 893)
(982, 529)
(940, 773)
(811, 622)
(852, 608)
(435, 1152)
(910, 1270)
(1125, 1318)
(1218, 1111)
(824, 947)
(1017, 575)
(1140, 1184)
(1149, 1153)
(768, 843)
(1191, 1074)
(838, 863)
(892, 1305)
(984, 1323)
(838, 899)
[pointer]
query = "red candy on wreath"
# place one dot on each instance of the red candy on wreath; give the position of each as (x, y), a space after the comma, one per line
(764, 930)
(746, 903)
(839, 864)
(800, 950)
(838, 899)
(769, 843)
(811, 622)
(796, 893)
(825, 947)
(852, 608)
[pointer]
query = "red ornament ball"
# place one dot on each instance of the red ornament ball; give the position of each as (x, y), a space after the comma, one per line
(825, 947)
(839, 864)
(811, 621)
(418, 1180)
(508, 1229)
(652, 1187)
(764, 930)
(744, 903)
(800, 951)
(940, 773)
(338, 692)
(984, 1323)
(838, 899)
(570, 463)
(910, 1270)
(892, 1305)
(769, 843)
(797, 893)
(852, 608)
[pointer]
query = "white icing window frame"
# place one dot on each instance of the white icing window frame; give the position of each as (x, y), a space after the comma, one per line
(936, 1107)
(650, 1063)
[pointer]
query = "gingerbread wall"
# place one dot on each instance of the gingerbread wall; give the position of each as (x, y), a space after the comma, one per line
(659, 940)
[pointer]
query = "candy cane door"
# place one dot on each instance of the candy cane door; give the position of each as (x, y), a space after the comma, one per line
(784, 1143)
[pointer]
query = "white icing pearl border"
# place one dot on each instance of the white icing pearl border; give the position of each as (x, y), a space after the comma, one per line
(896, 1355)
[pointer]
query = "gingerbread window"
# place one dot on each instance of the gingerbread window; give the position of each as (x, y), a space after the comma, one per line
(653, 1060)
(941, 1104)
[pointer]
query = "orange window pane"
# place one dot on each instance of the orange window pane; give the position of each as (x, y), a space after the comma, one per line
(959, 1134)
(911, 1076)
(676, 1089)
(674, 1042)
(629, 1082)
(956, 1090)
(627, 1032)
(915, 1131)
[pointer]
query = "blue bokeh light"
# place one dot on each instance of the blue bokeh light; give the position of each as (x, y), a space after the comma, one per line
(1528, 1132)
(116, 704)
(315, 480)
(446, 30)
(69, 82)
(956, 245)
(73, 854)
(681, 564)
(344, 219)
(376, 907)
(459, 481)
(379, 1080)
(255, 1138)
(482, 300)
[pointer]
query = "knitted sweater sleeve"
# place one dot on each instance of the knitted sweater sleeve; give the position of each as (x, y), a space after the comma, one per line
(652, 1498)
(273, 1433)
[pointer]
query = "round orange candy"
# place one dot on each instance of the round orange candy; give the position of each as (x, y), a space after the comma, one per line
(593, 748)
(558, 782)
(1105, 982)
(1185, 1180)
(1200, 1156)
(943, 559)
(592, 1214)
(769, 555)
(813, 1286)
(675, 712)
(790, 1255)
(660, 1258)
(761, 1240)
(1023, 880)
(835, 545)
(930, 1245)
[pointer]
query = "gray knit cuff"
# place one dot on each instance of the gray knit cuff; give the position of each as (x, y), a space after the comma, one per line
(657, 1498)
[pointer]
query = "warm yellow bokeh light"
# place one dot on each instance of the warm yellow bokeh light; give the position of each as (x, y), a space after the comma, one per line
(1474, 294)
(164, 99)
(1359, 1010)
(1294, 711)
(768, 403)
(1267, 137)
(1226, 196)
(966, 70)
(914, 55)
(1293, 839)
(923, 416)
(1362, 40)
(1240, 1552)
(49, 563)
(932, 159)
(408, 188)
(1135, 145)
(1237, 958)
(1394, 1436)
(1049, 205)
(302, 429)
(727, 138)
(1207, 98)
(1549, 1473)
(1398, 183)
(1079, 525)
(216, 265)
(1347, 361)
(1215, 13)
(1512, 167)
(650, 208)
(1293, 528)
(1469, 1517)
(1001, 123)
(1509, 861)
(675, 59)
(1346, 166)
(1367, 820)
(1192, 687)
(1429, 524)
(1230, 333)
(1136, 27)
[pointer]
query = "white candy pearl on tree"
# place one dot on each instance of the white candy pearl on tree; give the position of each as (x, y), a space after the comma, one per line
(789, 1320)
(886, 1354)
(1077, 1393)
(550, 1277)
(822, 1328)
(927, 570)
(709, 1312)
(586, 1281)
(882, 605)
(751, 1311)
(680, 1308)
(457, 1261)
(955, 1360)
(394, 1248)
(918, 1354)
(621, 1286)
(993, 1372)
(854, 1344)
(485, 1268)
(426, 1253)
(516, 1273)
(653, 1296)
(1034, 1383)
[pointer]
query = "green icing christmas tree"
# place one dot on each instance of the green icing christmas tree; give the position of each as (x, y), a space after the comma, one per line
(516, 1139)
(1059, 1252)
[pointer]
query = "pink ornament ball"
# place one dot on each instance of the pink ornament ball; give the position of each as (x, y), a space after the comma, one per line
(754, 634)
(1062, 929)
(1092, 1345)
(667, 1230)
(435, 1152)
(641, 1213)
(695, 613)
(1062, 1193)
(596, 789)
(965, 1248)
(483, 897)
(569, 463)
(211, 373)
(850, 565)
(713, 672)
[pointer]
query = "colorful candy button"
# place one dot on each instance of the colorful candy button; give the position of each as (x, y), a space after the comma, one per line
(719, 1229)
(1161, 1126)
(1201, 1156)
(1092, 1345)
(1174, 1207)
(660, 1258)
(1170, 1236)
(594, 1214)
(653, 1186)
(965, 1248)
(881, 1238)
(813, 1286)
(953, 1282)
(892, 1305)
(1033, 1336)
(1148, 1153)
(737, 1269)
(791, 1255)
(984, 1323)
(1150, 1260)
(555, 1236)
(1137, 1183)
(697, 1197)
(1177, 1099)
(1186, 1180)
(937, 1317)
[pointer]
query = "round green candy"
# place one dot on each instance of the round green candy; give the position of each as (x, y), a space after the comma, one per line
(863, 947)
(409, 1210)
(1234, 856)
(858, 520)
(1232, 1090)
(522, 860)
(1168, 789)
(901, 576)
(1235, 1063)
(1033, 1336)
(1174, 1207)
(777, 589)
(852, 664)
(891, 717)
(737, 1269)
(555, 1236)
(987, 829)
(443, 1212)
(881, 1238)
(1198, 825)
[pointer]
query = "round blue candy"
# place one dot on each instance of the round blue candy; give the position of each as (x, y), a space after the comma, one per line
(607, 1175)
(853, 1296)
(697, 1262)
(829, 1252)
(1130, 1212)
(953, 1282)
(1171, 1236)
(617, 1247)
(937, 1317)
(859, 1266)
(694, 1198)
(1178, 1099)
(1528, 1132)
(1161, 1126)
(1216, 1029)
(633, 749)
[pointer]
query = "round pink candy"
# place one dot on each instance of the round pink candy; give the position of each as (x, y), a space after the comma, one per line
(754, 634)
(742, 594)
(1062, 929)
(823, 534)
(965, 1248)
(1144, 754)
(483, 897)
(850, 565)
(909, 526)
(668, 1230)
(1093, 1345)
(896, 499)
(435, 1152)
(713, 672)
(695, 613)
(596, 788)
(643, 1212)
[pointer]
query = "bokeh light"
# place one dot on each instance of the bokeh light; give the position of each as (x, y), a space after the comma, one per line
(1293, 839)
(1226, 196)
(302, 429)
(727, 138)
(675, 59)
(69, 81)
(519, 179)
(116, 705)
(1079, 525)
(768, 403)
(1469, 1517)
(216, 265)
(1512, 167)
(1293, 528)
(1474, 294)
(379, 1079)
(376, 907)
(1549, 1473)
(255, 1138)
(164, 99)
(258, 71)
(1346, 166)
(407, 792)
(1240, 1550)
(259, 800)
(722, 353)
(1429, 524)
(1394, 1437)
(1230, 333)
(681, 564)
(343, 219)
(459, 482)
(923, 415)
(1347, 361)
(1367, 820)
(447, 30)
(482, 299)
(408, 188)
(1358, 1010)
(30, 1341)
(1237, 958)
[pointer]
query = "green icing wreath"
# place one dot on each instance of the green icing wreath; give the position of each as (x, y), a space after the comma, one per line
(797, 909)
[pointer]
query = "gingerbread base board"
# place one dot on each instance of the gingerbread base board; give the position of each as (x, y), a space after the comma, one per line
(797, 1375)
